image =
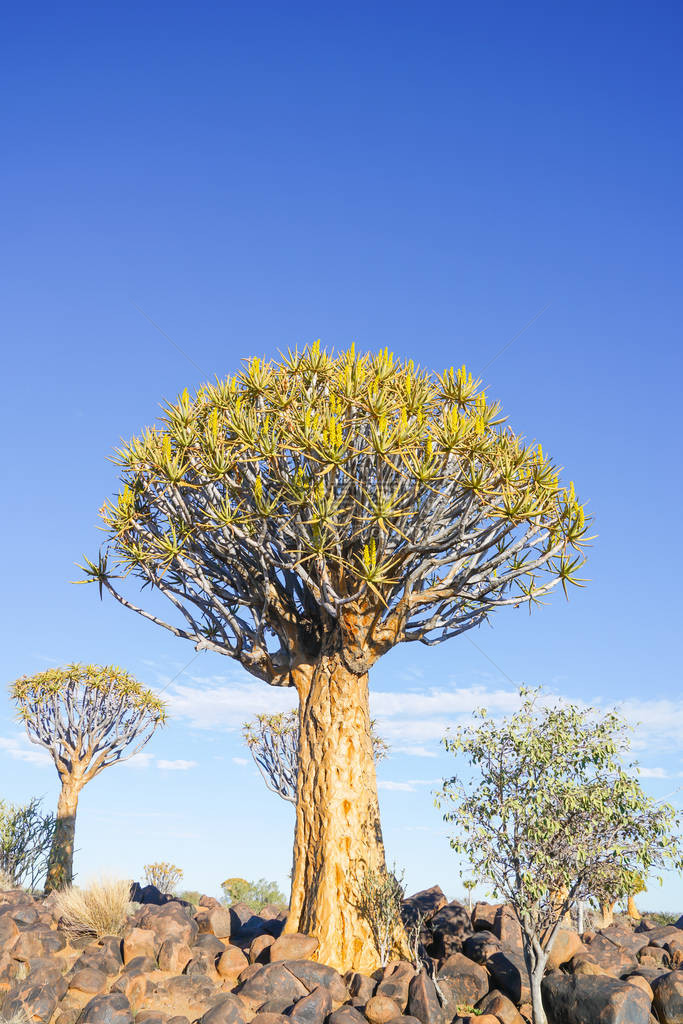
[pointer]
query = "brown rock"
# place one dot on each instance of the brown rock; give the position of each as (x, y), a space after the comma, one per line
(423, 1001)
(344, 1015)
(111, 1009)
(228, 1011)
(507, 928)
(312, 975)
(139, 942)
(231, 962)
(502, 1008)
(313, 1008)
(174, 956)
(293, 947)
(668, 997)
(583, 965)
(214, 920)
(88, 980)
(9, 932)
(258, 950)
(484, 915)
(603, 999)
(360, 985)
(271, 1018)
(465, 981)
(566, 944)
(381, 1009)
(482, 1018)
(635, 979)
(270, 981)
(426, 902)
(396, 983)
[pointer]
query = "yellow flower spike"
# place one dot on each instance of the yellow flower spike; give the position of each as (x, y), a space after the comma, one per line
(258, 489)
(166, 447)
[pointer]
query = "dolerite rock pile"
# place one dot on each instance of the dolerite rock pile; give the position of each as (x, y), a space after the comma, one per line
(177, 964)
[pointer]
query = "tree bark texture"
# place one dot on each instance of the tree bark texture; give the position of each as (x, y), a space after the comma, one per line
(338, 835)
(61, 859)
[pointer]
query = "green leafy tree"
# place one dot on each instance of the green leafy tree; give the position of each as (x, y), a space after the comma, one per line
(305, 516)
(88, 717)
(26, 836)
(256, 895)
(552, 816)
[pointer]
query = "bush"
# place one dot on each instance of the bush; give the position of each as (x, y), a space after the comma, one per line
(255, 894)
(25, 840)
(12, 1014)
(380, 900)
(100, 909)
(190, 896)
(163, 875)
(661, 916)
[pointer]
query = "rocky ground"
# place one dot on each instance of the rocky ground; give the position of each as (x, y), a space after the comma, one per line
(178, 964)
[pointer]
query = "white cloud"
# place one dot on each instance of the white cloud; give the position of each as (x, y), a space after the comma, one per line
(654, 773)
(414, 751)
(21, 749)
(401, 787)
(240, 760)
(227, 703)
(139, 761)
(176, 766)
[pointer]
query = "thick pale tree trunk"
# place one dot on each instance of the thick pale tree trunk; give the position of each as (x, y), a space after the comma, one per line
(338, 835)
(61, 860)
(607, 911)
(632, 909)
(537, 1009)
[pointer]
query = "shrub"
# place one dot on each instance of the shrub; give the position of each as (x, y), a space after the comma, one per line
(255, 894)
(163, 875)
(10, 1013)
(25, 839)
(100, 909)
(192, 896)
(380, 899)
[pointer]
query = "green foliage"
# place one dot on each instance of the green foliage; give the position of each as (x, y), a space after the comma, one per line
(26, 836)
(552, 815)
(276, 503)
(661, 916)
(255, 894)
(165, 876)
(39, 694)
(192, 896)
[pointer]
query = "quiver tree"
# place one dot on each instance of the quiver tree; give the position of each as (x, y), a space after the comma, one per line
(273, 742)
(306, 515)
(553, 815)
(88, 717)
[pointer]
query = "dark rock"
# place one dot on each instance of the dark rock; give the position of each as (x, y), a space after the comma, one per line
(313, 1008)
(508, 971)
(111, 1009)
(208, 944)
(572, 998)
(37, 1002)
(240, 914)
(466, 981)
(259, 949)
(150, 1017)
(171, 921)
(25, 915)
(614, 959)
(361, 985)
(501, 1007)
(381, 1009)
(480, 946)
(506, 927)
(88, 980)
(231, 962)
(450, 926)
(679, 922)
(265, 1017)
(423, 1001)
(228, 1010)
(140, 965)
(270, 981)
(656, 954)
(396, 983)
(483, 916)
(314, 975)
(202, 962)
(45, 970)
(624, 938)
(668, 997)
(346, 1015)
(174, 956)
(293, 947)
(214, 921)
(277, 1005)
(425, 903)
(660, 935)
(566, 944)
(9, 932)
(37, 942)
(139, 942)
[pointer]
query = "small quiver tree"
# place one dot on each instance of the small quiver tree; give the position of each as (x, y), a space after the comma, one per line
(552, 816)
(163, 876)
(305, 516)
(87, 717)
(273, 742)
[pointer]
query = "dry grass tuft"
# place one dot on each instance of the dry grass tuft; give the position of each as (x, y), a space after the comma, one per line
(11, 1014)
(101, 908)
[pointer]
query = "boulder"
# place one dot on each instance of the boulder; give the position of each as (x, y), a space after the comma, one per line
(381, 1009)
(425, 903)
(668, 997)
(272, 980)
(480, 946)
(174, 956)
(258, 950)
(293, 947)
(111, 1009)
(569, 999)
(214, 921)
(396, 983)
(88, 980)
(465, 980)
(509, 973)
(360, 985)
(566, 944)
(228, 1010)
(313, 1008)
(483, 916)
(9, 932)
(31, 1002)
(507, 928)
(344, 1015)
(231, 962)
(170, 921)
(449, 927)
(139, 942)
(209, 945)
(314, 975)
(423, 1000)
(502, 1008)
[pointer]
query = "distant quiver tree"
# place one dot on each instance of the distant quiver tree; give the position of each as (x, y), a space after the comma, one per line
(87, 717)
(305, 516)
(273, 742)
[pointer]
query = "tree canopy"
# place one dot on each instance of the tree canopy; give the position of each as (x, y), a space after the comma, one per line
(315, 493)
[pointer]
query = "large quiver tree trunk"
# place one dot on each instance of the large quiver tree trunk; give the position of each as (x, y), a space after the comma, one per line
(61, 860)
(338, 835)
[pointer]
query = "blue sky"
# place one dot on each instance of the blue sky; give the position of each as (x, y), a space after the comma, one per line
(428, 177)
